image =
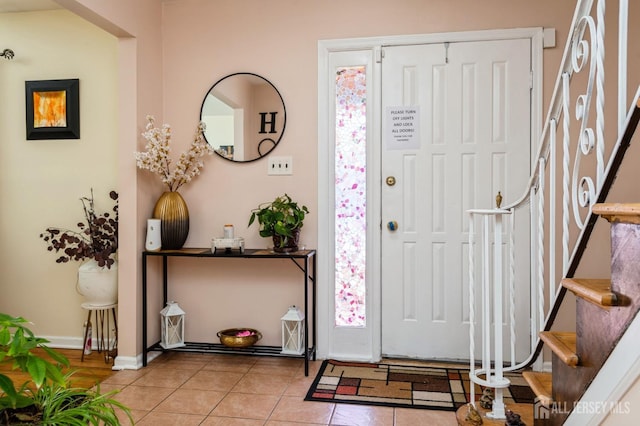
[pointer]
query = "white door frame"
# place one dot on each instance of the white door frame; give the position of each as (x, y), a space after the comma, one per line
(364, 343)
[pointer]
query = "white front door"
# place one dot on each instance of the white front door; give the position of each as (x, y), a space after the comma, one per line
(455, 131)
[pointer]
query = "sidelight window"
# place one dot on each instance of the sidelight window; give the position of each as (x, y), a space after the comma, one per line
(350, 196)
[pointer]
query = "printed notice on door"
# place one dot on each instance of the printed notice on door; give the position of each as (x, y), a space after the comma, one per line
(403, 128)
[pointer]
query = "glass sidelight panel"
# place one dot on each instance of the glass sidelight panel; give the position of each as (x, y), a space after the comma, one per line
(350, 196)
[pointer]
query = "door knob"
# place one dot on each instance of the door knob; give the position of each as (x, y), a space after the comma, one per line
(391, 180)
(392, 226)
